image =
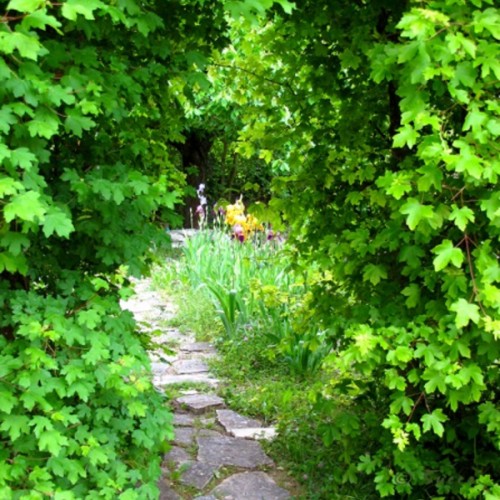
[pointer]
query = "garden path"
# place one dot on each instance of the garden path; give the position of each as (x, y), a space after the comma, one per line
(215, 453)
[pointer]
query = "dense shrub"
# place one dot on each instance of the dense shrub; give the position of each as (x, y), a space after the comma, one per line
(86, 188)
(386, 115)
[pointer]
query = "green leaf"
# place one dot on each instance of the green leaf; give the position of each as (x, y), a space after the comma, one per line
(419, 65)
(374, 273)
(475, 119)
(15, 425)
(488, 20)
(469, 372)
(40, 20)
(52, 441)
(401, 184)
(5, 152)
(287, 6)
(25, 5)
(58, 94)
(23, 158)
(412, 292)
(446, 253)
(434, 421)
(9, 186)
(401, 354)
(407, 136)
(412, 255)
(383, 483)
(82, 389)
(41, 424)
(90, 318)
(466, 74)
(471, 164)
(435, 381)
(57, 221)
(73, 470)
(13, 263)
(429, 352)
(395, 381)
(74, 371)
(71, 8)
(462, 216)
(402, 403)
(431, 176)
(25, 206)
(45, 124)
(99, 455)
(465, 312)
(416, 212)
(7, 119)
(27, 46)
(76, 123)
(118, 195)
(96, 354)
(491, 206)
(7, 401)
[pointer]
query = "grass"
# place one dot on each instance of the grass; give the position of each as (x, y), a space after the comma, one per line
(194, 312)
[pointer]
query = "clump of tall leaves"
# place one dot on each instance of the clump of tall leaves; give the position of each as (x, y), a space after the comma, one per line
(387, 116)
(85, 184)
(256, 295)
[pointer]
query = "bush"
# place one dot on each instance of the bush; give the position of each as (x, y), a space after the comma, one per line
(86, 187)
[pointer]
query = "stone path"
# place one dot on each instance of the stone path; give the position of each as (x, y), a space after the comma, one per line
(215, 454)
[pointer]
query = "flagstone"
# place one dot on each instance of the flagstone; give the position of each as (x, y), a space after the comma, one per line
(225, 450)
(199, 475)
(250, 486)
(190, 366)
(184, 436)
(199, 403)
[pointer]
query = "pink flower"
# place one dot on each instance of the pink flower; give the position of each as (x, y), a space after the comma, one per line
(238, 232)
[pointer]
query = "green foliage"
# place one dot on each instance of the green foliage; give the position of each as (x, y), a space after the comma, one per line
(385, 114)
(86, 186)
(78, 409)
(256, 295)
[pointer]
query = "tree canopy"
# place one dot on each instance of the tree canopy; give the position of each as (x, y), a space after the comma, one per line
(385, 115)
(87, 185)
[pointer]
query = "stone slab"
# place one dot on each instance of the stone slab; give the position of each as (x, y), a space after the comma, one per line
(209, 433)
(190, 366)
(138, 307)
(166, 492)
(229, 419)
(198, 347)
(157, 367)
(184, 436)
(167, 335)
(227, 450)
(199, 403)
(201, 378)
(178, 456)
(250, 486)
(183, 419)
(205, 497)
(199, 475)
(267, 433)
